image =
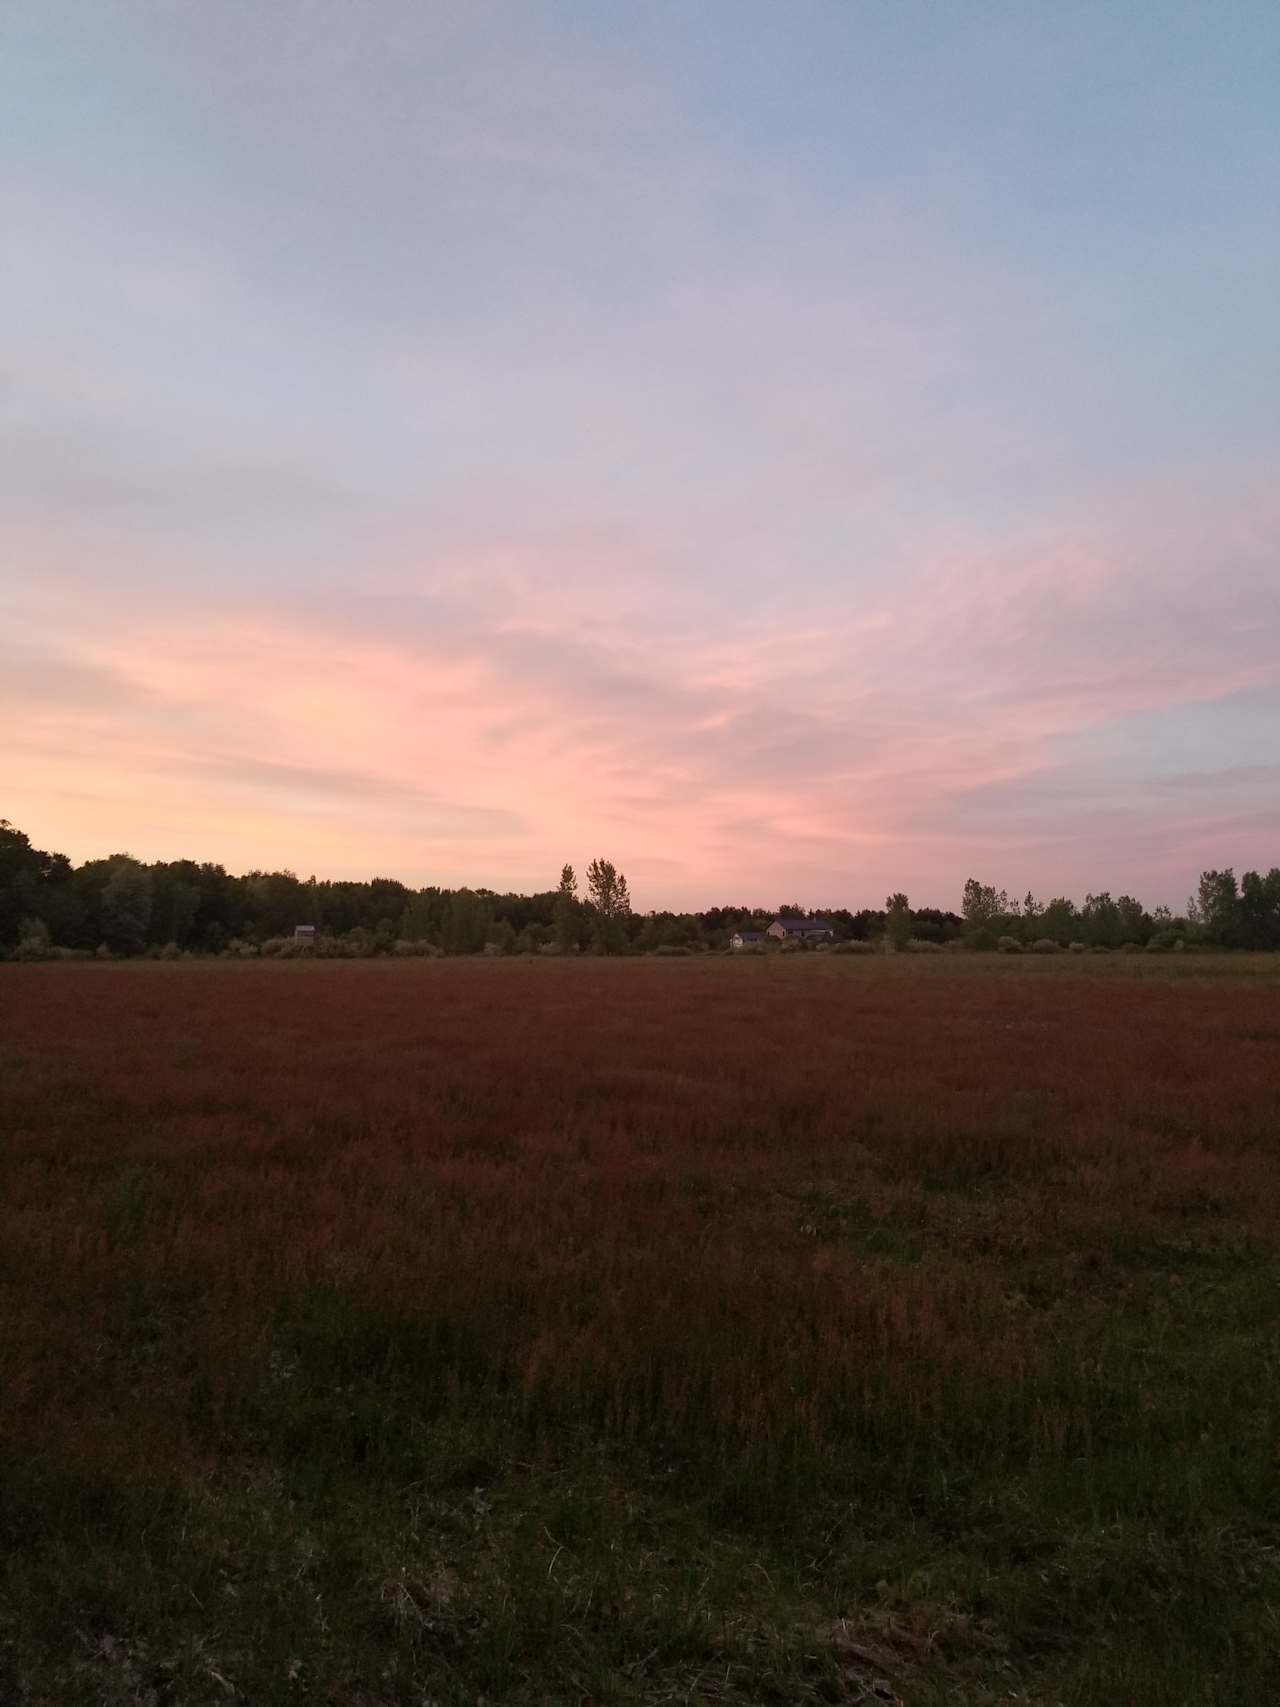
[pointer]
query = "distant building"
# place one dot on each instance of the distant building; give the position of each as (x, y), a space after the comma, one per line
(801, 930)
(304, 936)
(746, 939)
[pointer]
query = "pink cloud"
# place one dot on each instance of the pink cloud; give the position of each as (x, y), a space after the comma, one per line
(497, 724)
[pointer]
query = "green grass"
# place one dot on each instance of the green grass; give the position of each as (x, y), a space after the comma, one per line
(785, 1331)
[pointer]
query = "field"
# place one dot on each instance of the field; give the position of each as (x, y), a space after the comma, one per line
(782, 1330)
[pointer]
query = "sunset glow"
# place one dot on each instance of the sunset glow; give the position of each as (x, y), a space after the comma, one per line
(796, 451)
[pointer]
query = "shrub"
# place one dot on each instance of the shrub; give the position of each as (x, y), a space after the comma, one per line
(502, 936)
(331, 948)
(920, 945)
(33, 940)
(670, 948)
(417, 947)
(1156, 948)
(551, 948)
(1009, 945)
(1080, 947)
(1044, 945)
(984, 941)
(1131, 948)
(855, 946)
(1099, 948)
(171, 951)
(956, 945)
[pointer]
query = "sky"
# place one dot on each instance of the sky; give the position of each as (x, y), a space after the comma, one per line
(796, 451)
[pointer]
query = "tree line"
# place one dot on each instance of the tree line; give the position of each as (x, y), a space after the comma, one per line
(1223, 913)
(123, 906)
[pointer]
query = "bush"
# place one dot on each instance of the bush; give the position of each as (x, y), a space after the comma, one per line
(1099, 948)
(956, 945)
(1044, 945)
(1131, 948)
(415, 947)
(1079, 947)
(33, 940)
(854, 946)
(670, 948)
(551, 948)
(1156, 948)
(984, 941)
(1009, 945)
(333, 948)
(920, 945)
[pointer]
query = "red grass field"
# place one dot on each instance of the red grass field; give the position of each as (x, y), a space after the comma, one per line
(774, 1330)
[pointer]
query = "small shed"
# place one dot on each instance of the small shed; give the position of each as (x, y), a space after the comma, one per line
(304, 936)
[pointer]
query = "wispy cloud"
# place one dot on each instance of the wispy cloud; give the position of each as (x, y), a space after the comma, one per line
(792, 464)
(486, 731)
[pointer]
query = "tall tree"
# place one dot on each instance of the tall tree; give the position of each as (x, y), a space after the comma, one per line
(610, 905)
(420, 921)
(1135, 926)
(27, 875)
(897, 920)
(1101, 920)
(467, 918)
(566, 911)
(1217, 906)
(126, 906)
(1260, 909)
(983, 904)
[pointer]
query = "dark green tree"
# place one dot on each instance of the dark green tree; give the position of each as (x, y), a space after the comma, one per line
(126, 906)
(1218, 907)
(983, 905)
(467, 919)
(897, 920)
(610, 903)
(567, 911)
